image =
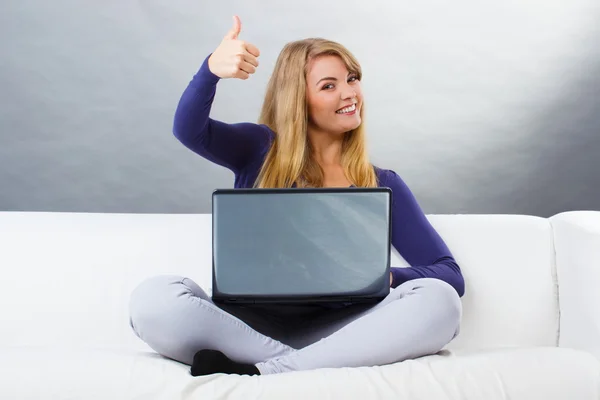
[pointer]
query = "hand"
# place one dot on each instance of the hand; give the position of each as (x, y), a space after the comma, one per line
(234, 58)
(391, 279)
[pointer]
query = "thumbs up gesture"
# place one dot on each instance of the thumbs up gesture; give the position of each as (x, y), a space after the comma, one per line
(234, 58)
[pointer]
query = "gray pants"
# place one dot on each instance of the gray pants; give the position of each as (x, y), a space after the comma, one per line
(176, 318)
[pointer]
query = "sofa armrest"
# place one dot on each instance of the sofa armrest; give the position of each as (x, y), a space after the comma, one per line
(577, 245)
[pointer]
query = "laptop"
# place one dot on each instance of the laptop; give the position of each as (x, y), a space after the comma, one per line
(301, 245)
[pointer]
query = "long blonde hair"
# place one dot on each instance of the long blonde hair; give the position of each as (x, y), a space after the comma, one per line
(289, 161)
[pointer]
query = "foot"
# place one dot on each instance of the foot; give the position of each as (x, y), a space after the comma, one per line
(208, 362)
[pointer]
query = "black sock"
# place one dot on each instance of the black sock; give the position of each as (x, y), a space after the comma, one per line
(208, 362)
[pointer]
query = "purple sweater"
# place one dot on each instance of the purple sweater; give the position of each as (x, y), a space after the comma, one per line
(241, 147)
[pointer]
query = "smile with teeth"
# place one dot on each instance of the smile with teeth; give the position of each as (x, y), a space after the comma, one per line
(347, 109)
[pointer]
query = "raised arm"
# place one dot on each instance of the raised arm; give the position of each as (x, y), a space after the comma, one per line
(417, 241)
(230, 145)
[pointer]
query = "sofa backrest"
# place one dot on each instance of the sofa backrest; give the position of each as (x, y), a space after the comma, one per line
(577, 242)
(67, 276)
(509, 267)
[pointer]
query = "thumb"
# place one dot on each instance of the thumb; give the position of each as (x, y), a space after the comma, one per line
(235, 31)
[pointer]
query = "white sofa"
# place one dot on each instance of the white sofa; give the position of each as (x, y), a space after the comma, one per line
(531, 327)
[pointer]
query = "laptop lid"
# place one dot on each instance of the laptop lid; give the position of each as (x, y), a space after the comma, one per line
(301, 245)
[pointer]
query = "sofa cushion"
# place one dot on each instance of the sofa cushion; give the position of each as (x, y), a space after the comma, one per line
(30, 373)
(577, 237)
(510, 274)
(68, 276)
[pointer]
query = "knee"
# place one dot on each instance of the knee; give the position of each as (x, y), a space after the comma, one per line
(155, 300)
(439, 299)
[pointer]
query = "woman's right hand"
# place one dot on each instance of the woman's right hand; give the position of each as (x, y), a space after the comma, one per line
(234, 58)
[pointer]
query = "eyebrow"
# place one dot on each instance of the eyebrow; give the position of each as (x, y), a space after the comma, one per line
(331, 78)
(327, 78)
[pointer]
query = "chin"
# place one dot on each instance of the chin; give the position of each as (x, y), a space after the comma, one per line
(341, 129)
(351, 127)
(347, 126)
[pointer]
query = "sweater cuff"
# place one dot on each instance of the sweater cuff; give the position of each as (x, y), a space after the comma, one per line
(398, 277)
(204, 73)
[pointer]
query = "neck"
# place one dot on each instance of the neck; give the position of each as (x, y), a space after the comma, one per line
(326, 148)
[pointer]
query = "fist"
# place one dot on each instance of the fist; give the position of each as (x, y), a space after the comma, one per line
(234, 58)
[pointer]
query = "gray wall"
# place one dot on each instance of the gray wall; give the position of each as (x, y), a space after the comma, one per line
(481, 108)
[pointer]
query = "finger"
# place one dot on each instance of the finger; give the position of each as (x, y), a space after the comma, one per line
(235, 30)
(252, 49)
(250, 59)
(241, 74)
(247, 67)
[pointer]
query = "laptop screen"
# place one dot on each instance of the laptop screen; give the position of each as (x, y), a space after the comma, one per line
(301, 242)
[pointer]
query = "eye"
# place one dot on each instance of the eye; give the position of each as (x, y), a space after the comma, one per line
(327, 86)
(352, 78)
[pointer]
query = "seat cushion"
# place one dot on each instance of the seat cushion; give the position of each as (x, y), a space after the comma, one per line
(87, 373)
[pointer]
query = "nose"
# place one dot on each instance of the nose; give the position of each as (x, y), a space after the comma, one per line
(348, 93)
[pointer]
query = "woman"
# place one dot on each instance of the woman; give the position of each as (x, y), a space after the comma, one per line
(310, 133)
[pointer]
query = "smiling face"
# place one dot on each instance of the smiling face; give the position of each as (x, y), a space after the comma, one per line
(333, 95)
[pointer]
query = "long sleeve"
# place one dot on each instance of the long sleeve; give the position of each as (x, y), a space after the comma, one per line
(417, 241)
(230, 145)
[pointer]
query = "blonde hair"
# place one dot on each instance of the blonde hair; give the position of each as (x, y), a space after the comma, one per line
(289, 161)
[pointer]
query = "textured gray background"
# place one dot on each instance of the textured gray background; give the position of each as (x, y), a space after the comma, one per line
(481, 108)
